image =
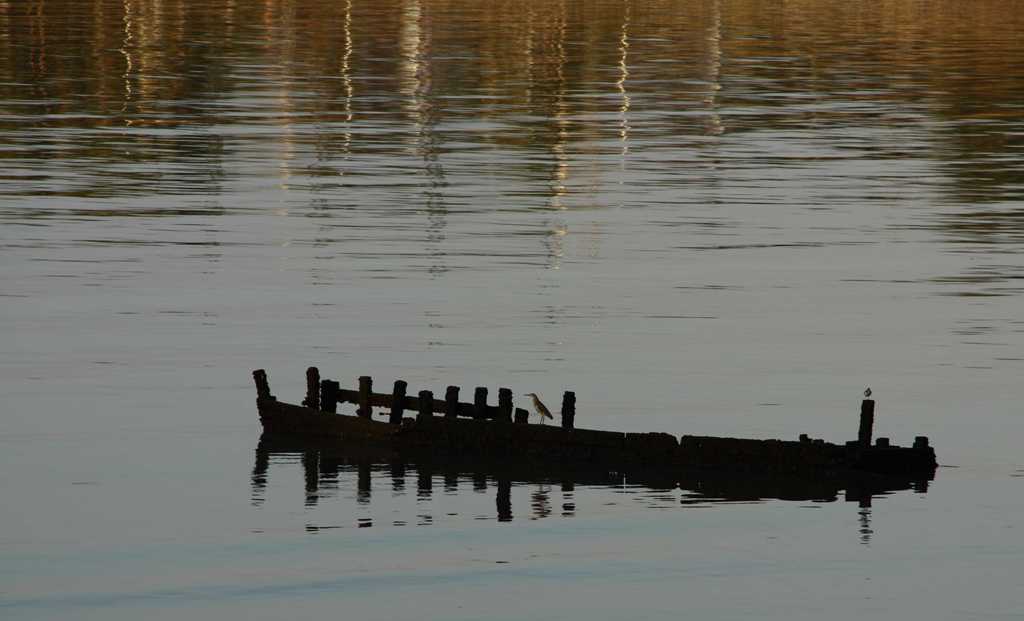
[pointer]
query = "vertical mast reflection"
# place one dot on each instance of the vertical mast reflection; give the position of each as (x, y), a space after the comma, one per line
(621, 86)
(415, 83)
(715, 125)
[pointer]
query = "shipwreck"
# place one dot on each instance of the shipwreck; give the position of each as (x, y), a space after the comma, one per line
(426, 426)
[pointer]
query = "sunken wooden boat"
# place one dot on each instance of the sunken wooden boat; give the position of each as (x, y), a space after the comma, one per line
(503, 432)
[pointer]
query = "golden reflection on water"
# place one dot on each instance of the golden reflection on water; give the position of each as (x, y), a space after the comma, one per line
(554, 73)
(559, 106)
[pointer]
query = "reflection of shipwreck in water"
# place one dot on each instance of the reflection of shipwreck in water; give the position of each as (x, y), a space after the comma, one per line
(482, 432)
(329, 466)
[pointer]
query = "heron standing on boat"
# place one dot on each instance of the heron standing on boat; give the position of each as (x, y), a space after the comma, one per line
(542, 410)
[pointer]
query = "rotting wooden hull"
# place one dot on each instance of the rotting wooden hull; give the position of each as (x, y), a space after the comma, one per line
(551, 444)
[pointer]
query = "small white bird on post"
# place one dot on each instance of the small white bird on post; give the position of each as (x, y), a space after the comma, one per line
(542, 410)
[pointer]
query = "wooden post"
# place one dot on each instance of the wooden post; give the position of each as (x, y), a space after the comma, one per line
(568, 409)
(312, 389)
(397, 402)
(426, 405)
(867, 422)
(329, 395)
(505, 405)
(920, 442)
(451, 402)
(365, 389)
(480, 403)
(262, 385)
(522, 416)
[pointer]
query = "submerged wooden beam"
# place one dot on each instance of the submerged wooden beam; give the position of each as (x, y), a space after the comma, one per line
(450, 406)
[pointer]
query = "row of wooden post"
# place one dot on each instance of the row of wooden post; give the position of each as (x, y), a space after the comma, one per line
(325, 394)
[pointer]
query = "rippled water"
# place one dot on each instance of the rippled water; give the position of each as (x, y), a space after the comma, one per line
(709, 217)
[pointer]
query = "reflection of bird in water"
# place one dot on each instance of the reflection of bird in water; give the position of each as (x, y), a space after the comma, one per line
(542, 410)
(867, 393)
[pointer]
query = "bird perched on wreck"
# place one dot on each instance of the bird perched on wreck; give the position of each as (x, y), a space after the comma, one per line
(542, 410)
(867, 393)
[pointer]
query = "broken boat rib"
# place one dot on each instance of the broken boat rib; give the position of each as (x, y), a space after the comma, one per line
(450, 426)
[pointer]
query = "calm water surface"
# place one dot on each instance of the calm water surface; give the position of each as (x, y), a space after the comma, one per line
(716, 216)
